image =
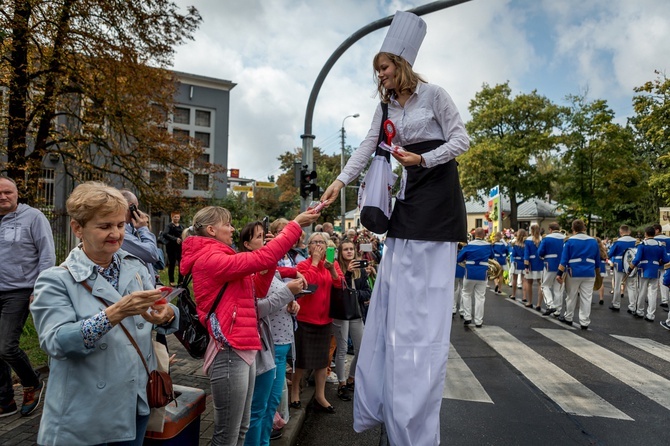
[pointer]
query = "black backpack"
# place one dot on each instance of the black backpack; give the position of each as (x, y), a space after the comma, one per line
(192, 334)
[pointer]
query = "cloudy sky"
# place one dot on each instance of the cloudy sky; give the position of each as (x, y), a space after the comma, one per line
(274, 49)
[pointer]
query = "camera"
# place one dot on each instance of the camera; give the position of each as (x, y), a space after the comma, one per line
(363, 263)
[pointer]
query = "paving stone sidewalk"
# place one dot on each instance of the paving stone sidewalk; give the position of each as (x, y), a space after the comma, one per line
(186, 371)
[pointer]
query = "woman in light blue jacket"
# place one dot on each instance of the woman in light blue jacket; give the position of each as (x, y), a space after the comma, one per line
(97, 382)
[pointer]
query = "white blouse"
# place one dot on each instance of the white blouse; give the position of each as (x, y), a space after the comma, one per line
(429, 114)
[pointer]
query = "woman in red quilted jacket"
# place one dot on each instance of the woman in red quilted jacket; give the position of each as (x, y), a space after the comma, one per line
(312, 339)
(208, 255)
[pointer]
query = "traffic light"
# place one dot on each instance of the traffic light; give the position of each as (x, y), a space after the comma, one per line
(306, 183)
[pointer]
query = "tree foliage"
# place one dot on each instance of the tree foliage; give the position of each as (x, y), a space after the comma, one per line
(597, 170)
(511, 138)
(87, 81)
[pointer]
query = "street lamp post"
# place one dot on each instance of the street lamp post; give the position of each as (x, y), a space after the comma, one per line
(343, 192)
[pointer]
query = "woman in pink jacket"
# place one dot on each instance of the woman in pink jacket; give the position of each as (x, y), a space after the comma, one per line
(207, 254)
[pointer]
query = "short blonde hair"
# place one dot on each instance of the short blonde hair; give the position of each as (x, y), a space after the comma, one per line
(208, 216)
(94, 198)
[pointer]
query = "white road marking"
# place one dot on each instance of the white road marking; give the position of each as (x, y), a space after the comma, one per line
(572, 396)
(461, 383)
(655, 348)
(647, 383)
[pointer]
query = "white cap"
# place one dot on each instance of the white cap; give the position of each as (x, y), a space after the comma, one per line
(405, 36)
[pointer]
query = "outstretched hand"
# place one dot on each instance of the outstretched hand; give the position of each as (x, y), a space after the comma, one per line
(332, 191)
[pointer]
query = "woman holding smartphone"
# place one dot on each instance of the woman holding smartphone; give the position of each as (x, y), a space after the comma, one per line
(355, 278)
(312, 339)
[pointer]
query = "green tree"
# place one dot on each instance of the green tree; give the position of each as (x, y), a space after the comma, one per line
(87, 80)
(652, 125)
(327, 170)
(511, 138)
(598, 171)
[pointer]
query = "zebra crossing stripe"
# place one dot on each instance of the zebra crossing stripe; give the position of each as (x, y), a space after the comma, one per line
(655, 348)
(649, 384)
(461, 383)
(572, 396)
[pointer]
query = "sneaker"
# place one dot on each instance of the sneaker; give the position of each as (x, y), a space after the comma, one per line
(332, 378)
(276, 434)
(664, 324)
(31, 399)
(8, 409)
(664, 305)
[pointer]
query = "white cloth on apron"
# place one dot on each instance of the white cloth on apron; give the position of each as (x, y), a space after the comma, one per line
(402, 364)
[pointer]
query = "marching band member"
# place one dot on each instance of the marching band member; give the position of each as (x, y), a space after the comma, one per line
(580, 258)
(615, 253)
(458, 286)
(476, 255)
(500, 255)
(533, 266)
(516, 257)
(650, 258)
(550, 250)
(665, 242)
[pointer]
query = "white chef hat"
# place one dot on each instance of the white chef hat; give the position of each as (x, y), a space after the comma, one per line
(405, 36)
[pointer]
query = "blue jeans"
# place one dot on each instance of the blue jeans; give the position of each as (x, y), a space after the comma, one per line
(13, 315)
(281, 352)
(259, 404)
(232, 382)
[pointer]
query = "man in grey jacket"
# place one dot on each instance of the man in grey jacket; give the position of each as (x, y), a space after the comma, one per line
(139, 240)
(26, 249)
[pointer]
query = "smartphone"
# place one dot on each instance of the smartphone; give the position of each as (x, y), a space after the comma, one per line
(134, 213)
(362, 263)
(309, 290)
(366, 247)
(266, 227)
(330, 254)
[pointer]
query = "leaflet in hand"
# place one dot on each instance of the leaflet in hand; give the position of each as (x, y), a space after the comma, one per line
(396, 150)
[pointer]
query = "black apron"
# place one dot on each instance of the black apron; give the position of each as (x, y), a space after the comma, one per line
(433, 208)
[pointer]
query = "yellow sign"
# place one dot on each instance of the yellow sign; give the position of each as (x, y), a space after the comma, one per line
(266, 184)
(243, 188)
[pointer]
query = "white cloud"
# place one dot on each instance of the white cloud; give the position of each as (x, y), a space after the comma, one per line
(274, 50)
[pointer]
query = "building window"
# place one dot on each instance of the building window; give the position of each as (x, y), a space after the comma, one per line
(182, 115)
(201, 182)
(47, 192)
(157, 178)
(181, 135)
(180, 180)
(203, 118)
(479, 222)
(203, 138)
(202, 161)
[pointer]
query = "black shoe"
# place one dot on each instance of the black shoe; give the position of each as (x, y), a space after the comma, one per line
(637, 316)
(629, 311)
(467, 322)
(584, 327)
(319, 408)
(548, 311)
(524, 300)
(512, 297)
(478, 326)
(565, 321)
(616, 309)
(343, 393)
(648, 320)
(351, 386)
(461, 316)
(664, 305)
(666, 310)
(276, 434)
(601, 302)
(538, 308)
(295, 405)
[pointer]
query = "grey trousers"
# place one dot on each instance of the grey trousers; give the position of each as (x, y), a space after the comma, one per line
(343, 330)
(232, 382)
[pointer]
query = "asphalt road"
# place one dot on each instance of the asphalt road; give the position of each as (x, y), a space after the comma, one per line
(524, 379)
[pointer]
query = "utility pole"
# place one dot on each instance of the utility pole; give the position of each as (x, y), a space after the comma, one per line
(307, 137)
(343, 192)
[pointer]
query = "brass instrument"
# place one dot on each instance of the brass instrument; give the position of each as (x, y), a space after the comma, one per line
(495, 270)
(599, 281)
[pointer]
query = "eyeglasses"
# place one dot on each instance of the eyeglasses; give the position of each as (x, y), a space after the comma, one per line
(317, 242)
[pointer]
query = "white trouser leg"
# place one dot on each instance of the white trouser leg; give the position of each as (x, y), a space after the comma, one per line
(642, 295)
(585, 297)
(572, 288)
(616, 297)
(559, 293)
(664, 291)
(632, 288)
(480, 298)
(458, 290)
(468, 294)
(652, 297)
(548, 282)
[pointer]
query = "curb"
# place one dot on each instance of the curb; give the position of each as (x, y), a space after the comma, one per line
(292, 429)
